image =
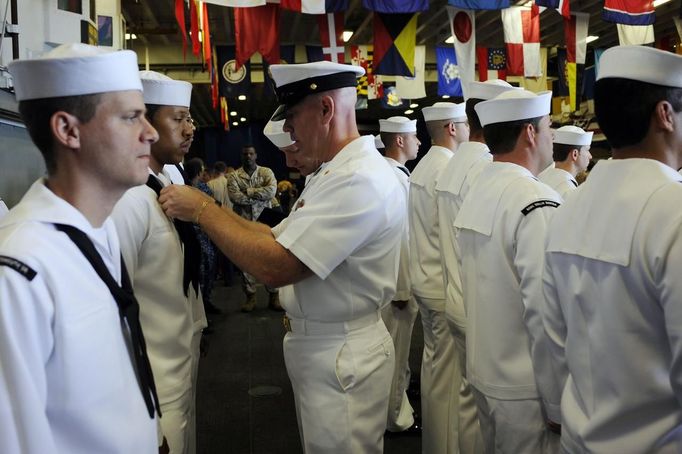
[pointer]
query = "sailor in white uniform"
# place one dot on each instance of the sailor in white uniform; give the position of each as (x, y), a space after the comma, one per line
(155, 251)
(461, 171)
(571, 156)
(613, 292)
(335, 258)
(447, 126)
(501, 230)
(398, 138)
(68, 382)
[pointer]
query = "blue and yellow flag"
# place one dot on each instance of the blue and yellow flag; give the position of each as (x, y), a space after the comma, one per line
(395, 37)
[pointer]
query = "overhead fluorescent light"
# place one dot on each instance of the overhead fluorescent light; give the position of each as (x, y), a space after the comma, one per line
(347, 35)
(242, 119)
(450, 40)
(130, 36)
(591, 38)
(658, 3)
(409, 111)
(241, 97)
(446, 96)
(235, 123)
(233, 113)
(414, 105)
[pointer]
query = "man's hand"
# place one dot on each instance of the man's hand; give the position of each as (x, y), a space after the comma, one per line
(400, 304)
(182, 202)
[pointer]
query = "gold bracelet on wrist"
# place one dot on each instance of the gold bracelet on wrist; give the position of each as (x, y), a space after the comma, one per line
(200, 211)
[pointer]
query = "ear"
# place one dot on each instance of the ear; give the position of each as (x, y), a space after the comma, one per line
(328, 108)
(528, 133)
(400, 140)
(664, 116)
(452, 130)
(575, 153)
(65, 128)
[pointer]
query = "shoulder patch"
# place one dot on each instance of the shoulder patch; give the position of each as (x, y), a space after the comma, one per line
(18, 266)
(539, 204)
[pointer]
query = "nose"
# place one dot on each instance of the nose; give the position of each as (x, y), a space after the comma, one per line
(286, 127)
(149, 133)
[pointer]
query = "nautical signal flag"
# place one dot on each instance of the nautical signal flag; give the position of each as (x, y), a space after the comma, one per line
(479, 4)
(395, 37)
(462, 27)
(396, 6)
(257, 30)
(315, 6)
(369, 85)
(561, 6)
(522, 38)
(413, 87)
(635, 35)
(449, 82)
(629, 12)
(331, 37)
(575, 33)
(492, 63)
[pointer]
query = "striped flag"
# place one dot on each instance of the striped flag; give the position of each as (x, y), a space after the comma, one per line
(315, 6)
(575, 33)
(331, 37)
(630, 12)
(522, 38)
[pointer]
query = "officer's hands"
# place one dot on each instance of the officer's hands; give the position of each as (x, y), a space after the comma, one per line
(400, 304)
(182, 202)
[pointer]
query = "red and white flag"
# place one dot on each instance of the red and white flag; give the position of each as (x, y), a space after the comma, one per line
(463, 29)
(331, 36)
(522, 37)
(315, 6)
(635, 35)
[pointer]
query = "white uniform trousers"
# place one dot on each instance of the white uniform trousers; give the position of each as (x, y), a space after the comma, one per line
(175, 422)
(514, 426)
(465, 418)
(341, 384)
(438, 396)
(192, 430)
(399, 323)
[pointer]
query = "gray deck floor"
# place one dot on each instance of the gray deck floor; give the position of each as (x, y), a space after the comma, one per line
(246, 353)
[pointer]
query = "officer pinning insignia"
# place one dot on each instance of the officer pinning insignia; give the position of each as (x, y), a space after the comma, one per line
(18, 266)
(539, 204)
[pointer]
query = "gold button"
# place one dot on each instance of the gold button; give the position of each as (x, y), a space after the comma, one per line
(313, 86)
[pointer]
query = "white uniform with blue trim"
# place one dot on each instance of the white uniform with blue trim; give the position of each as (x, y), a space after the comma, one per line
(346, 227)
(558, 179)
(399, 323)
(460, 173)
(501, 231)
(438, 399)
(67, 381)
(153, 254)
(614, 309)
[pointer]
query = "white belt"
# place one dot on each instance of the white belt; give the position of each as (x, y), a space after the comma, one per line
(315, 328)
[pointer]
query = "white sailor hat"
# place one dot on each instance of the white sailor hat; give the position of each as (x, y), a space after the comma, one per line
(275, 132)
(295, 82)
(398, 124)
(641, 63)
(161, 90)
(445, 111)
(514, 105)
(75, 70)
(488, 89)
(572, 135)
(378, 143)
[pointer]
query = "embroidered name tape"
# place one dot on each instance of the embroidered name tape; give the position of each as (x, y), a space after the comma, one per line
(539, 204)
(18, 266)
